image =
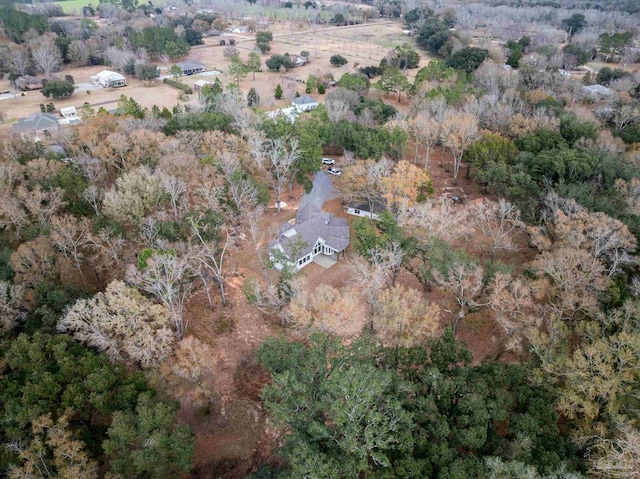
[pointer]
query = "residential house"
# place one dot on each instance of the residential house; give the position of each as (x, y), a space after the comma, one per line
(109, 79)
(291, 114)
(366, 209)
(191, 67)
(304, 103)
(313, 234)
(597, 90)
(36, 124)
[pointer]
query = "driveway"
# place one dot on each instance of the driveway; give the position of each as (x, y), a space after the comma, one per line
(82, 87)
(321, 192)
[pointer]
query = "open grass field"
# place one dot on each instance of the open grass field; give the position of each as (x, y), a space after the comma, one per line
(74, 6)
(362, 45)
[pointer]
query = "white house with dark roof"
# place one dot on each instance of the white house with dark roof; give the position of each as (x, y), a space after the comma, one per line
(597, 90)
(191, 67)
(304, 103)
(312, 234)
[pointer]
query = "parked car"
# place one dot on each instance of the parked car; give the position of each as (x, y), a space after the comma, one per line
(334, 171)
(328, 161)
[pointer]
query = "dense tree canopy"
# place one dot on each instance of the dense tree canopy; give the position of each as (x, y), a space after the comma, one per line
(417, 413)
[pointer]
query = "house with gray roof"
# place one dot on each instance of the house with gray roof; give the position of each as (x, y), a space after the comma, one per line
(597, 90)
(36, 123)
(304, 103)
(190, 67)
(312, 236)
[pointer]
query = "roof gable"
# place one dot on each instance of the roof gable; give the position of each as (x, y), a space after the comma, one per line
(303, 100)
(333, 231)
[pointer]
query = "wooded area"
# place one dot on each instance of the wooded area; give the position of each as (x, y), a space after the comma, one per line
(149, 328)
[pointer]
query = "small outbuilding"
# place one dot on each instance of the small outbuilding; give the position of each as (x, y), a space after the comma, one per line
(69, 112)
(191, 67)
(304, 103)
(109, 79)
(366, 209)
(200, 84)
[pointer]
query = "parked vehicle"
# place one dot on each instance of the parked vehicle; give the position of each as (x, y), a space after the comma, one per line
(328, 161)
(334, 171)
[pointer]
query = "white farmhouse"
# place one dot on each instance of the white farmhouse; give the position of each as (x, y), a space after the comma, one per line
(110, 79)
(304, 103)
(597, 90)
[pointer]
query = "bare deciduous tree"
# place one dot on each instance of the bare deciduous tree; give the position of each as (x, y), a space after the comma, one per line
(279, 163)
(122, 323)
(325, 309)
(18, 60)
(577, 279)
(135, 194)
(71, 236)
(404, 317)
(465, 281)
(497, 222)
(437, 219)
(209, 252)
(34, 263)
(40, 203)
(458, 133)
(10, 306)
(46, 57)
(176, 189)
(168, 277)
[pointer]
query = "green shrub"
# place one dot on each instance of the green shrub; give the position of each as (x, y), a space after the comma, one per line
(179, 85)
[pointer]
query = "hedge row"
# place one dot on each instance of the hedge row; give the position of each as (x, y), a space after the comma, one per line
(179, 85)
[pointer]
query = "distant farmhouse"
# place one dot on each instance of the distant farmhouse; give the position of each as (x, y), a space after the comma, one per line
(191, 67)
(315, 236)
(290, 114)
(109, 79)
(597, 90)
(35, 124)
(304, 103)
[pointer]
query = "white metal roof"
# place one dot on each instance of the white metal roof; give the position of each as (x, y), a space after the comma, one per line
(108, 75)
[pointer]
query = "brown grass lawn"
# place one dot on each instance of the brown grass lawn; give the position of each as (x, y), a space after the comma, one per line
(362, 45)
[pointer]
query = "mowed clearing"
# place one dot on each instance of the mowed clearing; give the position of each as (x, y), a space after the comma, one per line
(74, 6)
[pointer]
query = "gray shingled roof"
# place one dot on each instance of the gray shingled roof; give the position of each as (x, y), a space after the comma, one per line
(36, 121)
(303, 100)
(597, 90)
(375, 207)
(190, 65)
(334, 231)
